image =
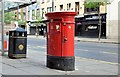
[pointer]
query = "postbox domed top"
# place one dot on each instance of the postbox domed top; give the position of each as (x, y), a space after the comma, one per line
(57, 14)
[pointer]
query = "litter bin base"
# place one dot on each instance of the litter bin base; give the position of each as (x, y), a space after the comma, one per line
(61, 63)
(17, 56)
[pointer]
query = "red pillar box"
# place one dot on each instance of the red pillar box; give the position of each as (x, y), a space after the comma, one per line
(60, 41)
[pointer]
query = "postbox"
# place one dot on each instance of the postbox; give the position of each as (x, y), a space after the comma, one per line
(60, 40)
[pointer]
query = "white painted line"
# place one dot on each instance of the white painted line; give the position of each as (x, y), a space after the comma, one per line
(110, 53)
(82, 49)
(98, 51)
(87, 71)
(41, 46)
(112, 45)
(36, 46)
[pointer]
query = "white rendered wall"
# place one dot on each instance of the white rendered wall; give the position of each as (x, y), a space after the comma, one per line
(112, 20)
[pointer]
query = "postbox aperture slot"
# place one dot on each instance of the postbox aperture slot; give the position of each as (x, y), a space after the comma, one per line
(57, 20)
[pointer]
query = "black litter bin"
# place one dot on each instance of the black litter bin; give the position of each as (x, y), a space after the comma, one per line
(17, 43)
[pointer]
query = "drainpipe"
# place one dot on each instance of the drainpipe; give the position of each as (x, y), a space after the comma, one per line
(52, 5)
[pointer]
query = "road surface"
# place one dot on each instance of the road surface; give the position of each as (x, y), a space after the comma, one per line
(98, 51)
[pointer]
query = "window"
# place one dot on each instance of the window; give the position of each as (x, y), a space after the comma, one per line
(61, 7)
(33, 14)
(49, 9)
(38, 14)
(42, 13)
(24, 15)
(28, 15)
(48, 0)
(55, 8)
(77, 7)
(69, 6)
(43, 1)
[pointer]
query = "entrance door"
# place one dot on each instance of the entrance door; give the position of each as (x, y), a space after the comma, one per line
(103, 30)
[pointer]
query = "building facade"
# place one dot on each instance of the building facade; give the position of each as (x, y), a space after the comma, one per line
(86, 20)
(60, 5)
(34, 15)
(113, 19)
(17, 19)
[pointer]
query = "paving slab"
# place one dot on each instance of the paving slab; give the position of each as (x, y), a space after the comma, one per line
(86, 39)
(90, 72)
(8, 69)
(14, 71)
(35, 64)
(0, 75)
(96, 65)
(41, 70)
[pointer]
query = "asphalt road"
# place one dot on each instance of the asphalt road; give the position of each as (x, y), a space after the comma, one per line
(90, 50)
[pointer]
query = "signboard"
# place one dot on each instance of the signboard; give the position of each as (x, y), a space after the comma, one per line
(93, 17)
(92, 27)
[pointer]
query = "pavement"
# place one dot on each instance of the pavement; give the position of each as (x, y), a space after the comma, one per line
(35, 64)
(102, 40)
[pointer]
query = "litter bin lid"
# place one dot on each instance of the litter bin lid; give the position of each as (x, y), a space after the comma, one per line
(18, 30)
